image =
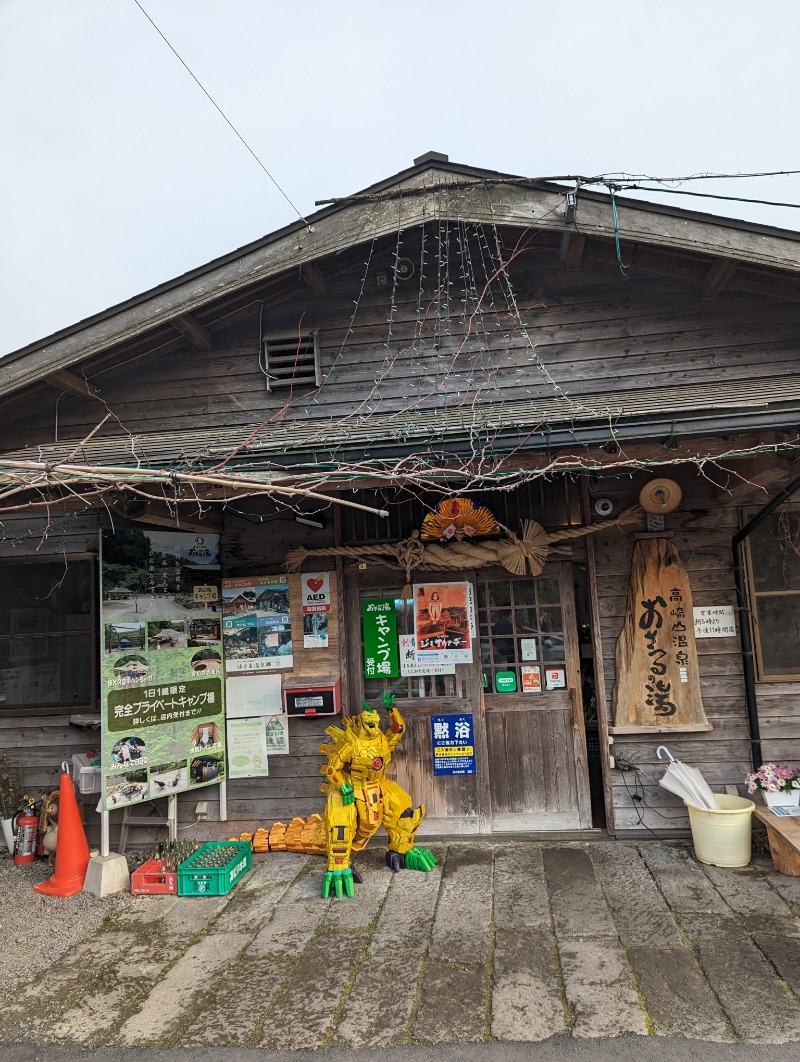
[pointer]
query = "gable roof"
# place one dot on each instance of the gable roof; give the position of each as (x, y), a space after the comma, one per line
(432, 187)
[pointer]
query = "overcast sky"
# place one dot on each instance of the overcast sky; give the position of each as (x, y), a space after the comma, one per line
(117, 173)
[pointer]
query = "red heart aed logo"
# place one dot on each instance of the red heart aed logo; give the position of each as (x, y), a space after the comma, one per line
(315, 584)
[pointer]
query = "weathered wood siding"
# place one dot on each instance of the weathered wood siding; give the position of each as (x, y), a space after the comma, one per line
(596, 333)
(702, 530)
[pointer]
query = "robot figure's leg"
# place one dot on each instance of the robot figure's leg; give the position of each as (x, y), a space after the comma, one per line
(400, 819)
(370, 815)
(340, 830)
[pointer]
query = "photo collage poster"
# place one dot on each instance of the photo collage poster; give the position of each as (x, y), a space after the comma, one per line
(163, 709)
(257, 639)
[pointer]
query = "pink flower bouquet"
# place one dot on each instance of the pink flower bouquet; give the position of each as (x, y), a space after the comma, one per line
(773, 778)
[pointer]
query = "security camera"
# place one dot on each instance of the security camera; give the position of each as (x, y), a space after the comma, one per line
(604, 507)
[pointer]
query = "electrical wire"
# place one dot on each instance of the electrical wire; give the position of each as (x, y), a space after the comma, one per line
(705, 195)
(211, 99)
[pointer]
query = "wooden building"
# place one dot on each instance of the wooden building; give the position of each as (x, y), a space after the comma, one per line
(449, 332)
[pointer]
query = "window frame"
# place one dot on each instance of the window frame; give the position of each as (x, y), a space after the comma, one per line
(91, 703)
(753, 596)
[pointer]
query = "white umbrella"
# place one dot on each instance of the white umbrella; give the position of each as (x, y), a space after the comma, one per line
(686, 782)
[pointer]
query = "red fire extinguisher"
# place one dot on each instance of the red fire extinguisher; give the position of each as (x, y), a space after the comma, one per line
(26, 826)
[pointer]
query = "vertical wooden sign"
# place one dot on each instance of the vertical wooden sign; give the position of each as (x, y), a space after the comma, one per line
(658, 682)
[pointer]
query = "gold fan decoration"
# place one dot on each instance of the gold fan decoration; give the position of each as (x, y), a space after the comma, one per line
(457, 518)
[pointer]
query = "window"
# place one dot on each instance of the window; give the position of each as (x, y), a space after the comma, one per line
(520, 623)
(47, 634)
(425, 686)
(774, 556)
(291, 360)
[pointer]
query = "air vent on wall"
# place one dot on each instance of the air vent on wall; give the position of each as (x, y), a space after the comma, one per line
(291, 360)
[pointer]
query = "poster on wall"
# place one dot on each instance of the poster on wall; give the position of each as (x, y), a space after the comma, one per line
(379, 622)
(443, 622)
(277, 734)
(453, 740)
(256, 624)
(247, 749)
(413, 666)
(163, 712)
(316, 594)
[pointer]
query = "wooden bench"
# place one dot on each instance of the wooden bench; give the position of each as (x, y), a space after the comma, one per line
(783, 834)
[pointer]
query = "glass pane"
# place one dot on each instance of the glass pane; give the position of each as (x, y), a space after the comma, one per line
(525, 619)
(501, 621)
(503, 651)
(481, 595)
(779, 634)
(552, 647)
(524, 593)
(548, 591)
(499, 595)
(775, 552)
(483, 625)
(373, 689)
(486, 657)
(550, 619)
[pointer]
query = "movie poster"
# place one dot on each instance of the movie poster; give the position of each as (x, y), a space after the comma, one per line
(163, 717)
(443, 622)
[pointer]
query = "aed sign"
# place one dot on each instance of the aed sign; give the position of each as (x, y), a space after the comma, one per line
(453, 740)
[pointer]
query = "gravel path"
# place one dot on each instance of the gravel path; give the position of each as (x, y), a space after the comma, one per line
(36, 930)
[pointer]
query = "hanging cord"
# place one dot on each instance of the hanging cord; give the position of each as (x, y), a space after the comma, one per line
(623, 268)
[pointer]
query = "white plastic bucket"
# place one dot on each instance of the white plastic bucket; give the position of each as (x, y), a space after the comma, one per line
(723, 837)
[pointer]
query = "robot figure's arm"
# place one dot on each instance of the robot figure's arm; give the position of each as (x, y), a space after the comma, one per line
(334, 772)
(397, 726)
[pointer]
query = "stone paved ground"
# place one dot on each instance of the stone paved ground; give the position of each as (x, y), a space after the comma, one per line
(506, 940)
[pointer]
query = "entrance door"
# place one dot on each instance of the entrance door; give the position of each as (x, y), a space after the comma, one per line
(538, 777)
(454, 804)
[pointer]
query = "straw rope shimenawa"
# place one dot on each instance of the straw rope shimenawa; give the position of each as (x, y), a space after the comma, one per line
(526, 553)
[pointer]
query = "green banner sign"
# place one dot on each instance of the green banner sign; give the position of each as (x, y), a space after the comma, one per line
(381, 658)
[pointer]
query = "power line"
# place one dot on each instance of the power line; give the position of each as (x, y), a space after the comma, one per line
(706, 195)
(220, 110)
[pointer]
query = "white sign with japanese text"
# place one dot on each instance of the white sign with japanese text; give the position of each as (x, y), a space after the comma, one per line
(714, 621)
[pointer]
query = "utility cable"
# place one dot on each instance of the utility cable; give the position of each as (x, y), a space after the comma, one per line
(704, 195)
(220, 110)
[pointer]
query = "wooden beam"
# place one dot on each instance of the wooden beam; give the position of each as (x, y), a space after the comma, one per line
(717, 277)
(574, 255)
(63, 380)
(193, 330)
(315, 278)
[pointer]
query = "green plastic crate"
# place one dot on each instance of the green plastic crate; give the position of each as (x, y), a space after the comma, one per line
(198, 876)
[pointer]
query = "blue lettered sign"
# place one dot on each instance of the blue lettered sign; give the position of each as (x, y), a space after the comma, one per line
(453, 744)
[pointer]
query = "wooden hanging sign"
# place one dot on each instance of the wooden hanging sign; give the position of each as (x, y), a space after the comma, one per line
(658, 682)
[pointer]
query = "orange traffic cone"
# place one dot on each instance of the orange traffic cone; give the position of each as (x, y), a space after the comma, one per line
(72, 848)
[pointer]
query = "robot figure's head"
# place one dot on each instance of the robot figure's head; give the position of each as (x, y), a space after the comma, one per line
(370, 721)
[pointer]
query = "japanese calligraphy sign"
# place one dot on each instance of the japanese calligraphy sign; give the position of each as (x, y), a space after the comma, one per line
(256, 624)
(163, 715)
(658, 683)
(443, 621)
(453, 740)
(380, 639)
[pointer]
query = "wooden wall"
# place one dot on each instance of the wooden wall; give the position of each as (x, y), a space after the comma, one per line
(385, 349)
(702, 530)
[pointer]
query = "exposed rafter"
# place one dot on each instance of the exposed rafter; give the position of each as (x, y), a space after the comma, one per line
(188, 326)
(718, 277)
(314, 277)
(63, 380)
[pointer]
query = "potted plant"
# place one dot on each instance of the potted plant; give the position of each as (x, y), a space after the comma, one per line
(778, 785)
(10, 796)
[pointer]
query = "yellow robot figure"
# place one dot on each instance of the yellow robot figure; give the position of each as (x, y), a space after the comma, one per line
(361, 798)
